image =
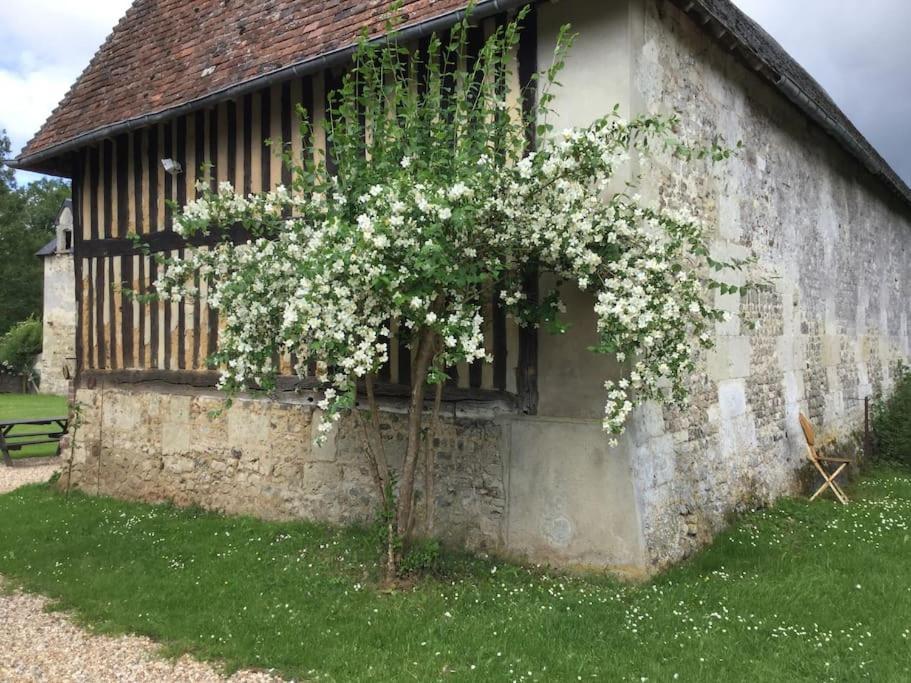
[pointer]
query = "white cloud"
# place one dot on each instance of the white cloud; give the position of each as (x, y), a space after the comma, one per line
(59, 31)
(45, 46)
(28, 98)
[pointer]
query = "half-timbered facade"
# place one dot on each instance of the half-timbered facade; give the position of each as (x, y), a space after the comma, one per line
(522, 465)
(121, 190)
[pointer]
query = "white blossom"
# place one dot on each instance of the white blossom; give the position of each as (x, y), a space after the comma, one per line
(328, 267)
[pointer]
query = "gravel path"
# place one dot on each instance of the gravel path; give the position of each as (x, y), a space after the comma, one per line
(26, 472)
(36, 645)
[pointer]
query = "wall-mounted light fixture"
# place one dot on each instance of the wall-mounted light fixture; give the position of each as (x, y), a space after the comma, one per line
(171, 166)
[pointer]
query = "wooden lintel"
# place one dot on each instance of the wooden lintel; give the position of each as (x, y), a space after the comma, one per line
(207, 379)
(158, 241)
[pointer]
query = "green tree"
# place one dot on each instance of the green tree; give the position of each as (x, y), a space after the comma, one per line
(7, 177)
(892, 419)
(42, 201)
(27, 215)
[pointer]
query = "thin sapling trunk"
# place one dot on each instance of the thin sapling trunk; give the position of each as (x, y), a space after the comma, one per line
(415, 415)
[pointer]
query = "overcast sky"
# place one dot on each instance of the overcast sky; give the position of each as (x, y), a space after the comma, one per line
(860, 53)
(44, 46)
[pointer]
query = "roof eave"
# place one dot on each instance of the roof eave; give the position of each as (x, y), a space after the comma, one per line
(49, 160)
(45, 158)
(56, 165)
(727, 37)
(48, 249)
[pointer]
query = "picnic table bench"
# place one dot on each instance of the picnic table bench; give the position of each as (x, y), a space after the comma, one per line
(55, 428)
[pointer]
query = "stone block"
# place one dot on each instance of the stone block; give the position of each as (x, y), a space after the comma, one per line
(178, 464)
(730, 359)
(831, 350)
(328, 449)
(731, 399)
(175, 424)
(249, 427)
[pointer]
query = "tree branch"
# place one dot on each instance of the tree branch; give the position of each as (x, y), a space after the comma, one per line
(381, 461)
(368, 454)
(415, 415)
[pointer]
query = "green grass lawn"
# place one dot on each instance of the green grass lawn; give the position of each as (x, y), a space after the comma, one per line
(801, 592)
(16, 406)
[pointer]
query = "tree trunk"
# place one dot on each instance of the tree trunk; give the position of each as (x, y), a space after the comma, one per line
(415, 415)
(386, 492)
(379, 471)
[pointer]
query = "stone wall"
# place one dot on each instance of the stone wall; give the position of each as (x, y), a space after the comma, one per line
(58, 314)
(257, 458)
(59, 325)
(837, 245)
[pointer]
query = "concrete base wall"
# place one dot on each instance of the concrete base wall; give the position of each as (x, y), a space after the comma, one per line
(572, 500)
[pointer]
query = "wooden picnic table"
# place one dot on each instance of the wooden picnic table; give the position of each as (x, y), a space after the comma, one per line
(14, 442)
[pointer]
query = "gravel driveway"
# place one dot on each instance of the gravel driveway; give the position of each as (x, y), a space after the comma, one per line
(26, 472)
(36, 645)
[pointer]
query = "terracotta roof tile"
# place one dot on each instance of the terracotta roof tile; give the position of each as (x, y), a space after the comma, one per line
(165, 53)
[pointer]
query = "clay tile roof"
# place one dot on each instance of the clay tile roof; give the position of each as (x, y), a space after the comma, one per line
(165, 53)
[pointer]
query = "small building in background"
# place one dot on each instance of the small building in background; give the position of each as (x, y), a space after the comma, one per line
(58, 355)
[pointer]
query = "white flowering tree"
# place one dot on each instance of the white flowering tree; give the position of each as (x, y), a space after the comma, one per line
(434, 198)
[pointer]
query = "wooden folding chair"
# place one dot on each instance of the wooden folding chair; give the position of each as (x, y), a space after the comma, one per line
(820, 462)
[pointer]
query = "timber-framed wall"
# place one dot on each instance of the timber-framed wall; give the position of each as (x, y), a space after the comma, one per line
(120, 189)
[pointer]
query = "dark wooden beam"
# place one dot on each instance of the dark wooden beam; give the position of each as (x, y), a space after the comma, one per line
(168, 178)
(287, 117)
(162, 241)
(232, 142)
(152, 184)
(126, 315)
(213, 149)
(208, 379)
(94, 171)
(123, 194)
(265, 132)
(181, 158)
(527, 370)
(199, 146)
(248, 144)
(108, 187)
(153, 316)
(181, 330)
